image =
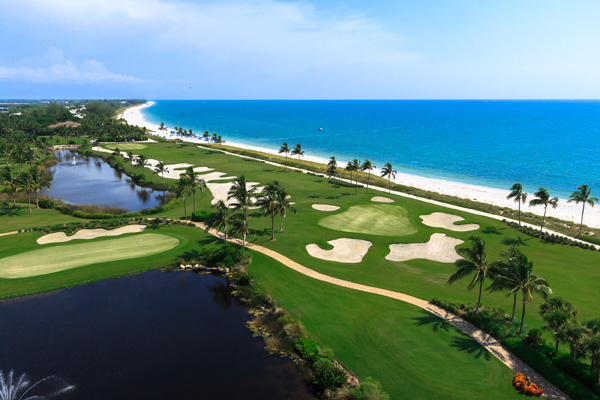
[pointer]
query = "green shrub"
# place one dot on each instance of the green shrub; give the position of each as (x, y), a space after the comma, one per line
(327, 375)
(307, 348)
(543, 365)
(369, 389)
(46, 203)
(201, 216)
(535, 339)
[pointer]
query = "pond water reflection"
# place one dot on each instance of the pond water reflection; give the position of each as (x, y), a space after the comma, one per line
(153, 335)
(80, 179)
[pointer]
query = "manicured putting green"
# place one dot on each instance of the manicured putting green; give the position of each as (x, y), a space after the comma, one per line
(125, 146)
(60, 258)
(372, 219)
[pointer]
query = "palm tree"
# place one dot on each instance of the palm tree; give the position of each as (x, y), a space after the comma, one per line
(332, 174)
(40, 181)
(367, 166)
(220, 219)
(162, 127)
(183, 190)
(592, 346)
(297, 151)
(582, 195)
(284, 149)
(117, 153)
(573, 333)
(141, 161)
(474, 261)
(519, 195)
(161, 169)
(543, 199)
(131, 159)
(239, 226)
(556, 312)
(528, 283)
(388, 171)
(506, 277)
(220, 140)
(10, 179)
(268, 203)
(195, 183)
(353, 166)
(283, 205)
(26, 184)
(206, 134)
(243, 197)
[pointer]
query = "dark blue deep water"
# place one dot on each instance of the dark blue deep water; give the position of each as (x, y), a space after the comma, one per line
(149, 336)
(555, 144)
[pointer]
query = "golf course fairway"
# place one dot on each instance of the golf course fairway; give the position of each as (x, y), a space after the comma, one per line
(372, 219)
(60, 258)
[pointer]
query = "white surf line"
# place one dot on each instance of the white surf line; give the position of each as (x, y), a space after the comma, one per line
(488, 342)
(409, 196)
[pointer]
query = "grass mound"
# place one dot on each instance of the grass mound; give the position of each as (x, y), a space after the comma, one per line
(125, 146)
(60, 258)
(372, 219)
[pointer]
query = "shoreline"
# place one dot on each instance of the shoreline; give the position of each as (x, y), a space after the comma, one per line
(497, 197)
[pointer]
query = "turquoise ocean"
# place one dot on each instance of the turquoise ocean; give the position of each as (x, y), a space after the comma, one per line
(554, 144)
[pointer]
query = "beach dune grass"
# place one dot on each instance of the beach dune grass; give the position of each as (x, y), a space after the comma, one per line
(60, 258)
(372, 219)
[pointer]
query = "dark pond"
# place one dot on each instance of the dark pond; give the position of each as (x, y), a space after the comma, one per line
(80, 179)
(154, 335)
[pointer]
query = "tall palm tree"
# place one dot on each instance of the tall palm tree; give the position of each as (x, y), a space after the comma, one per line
(332, 173)
(206, 134)
(592, 347)
(239, 226)
(388, 171)
(297, 151)
(220, 219)
(519, 195)
(161, 169)
(556, 313)
(131, 159)
(162, 127)
(220, 140)
(183, 190)
(141, 161)
(350, 167)
(25, 183)
(332, 161)
(117, 153)
(284, 149)
(11, 180)
(506, 277)
(543, 199)
(195, 183)
(367, 166)
(583, 195)
(474, 261)
(40, 181)
(268, 203)
(528, 283)
(244, 197)
(283, 205)
(573, 333)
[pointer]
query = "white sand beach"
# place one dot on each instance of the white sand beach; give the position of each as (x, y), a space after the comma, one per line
(566, 211)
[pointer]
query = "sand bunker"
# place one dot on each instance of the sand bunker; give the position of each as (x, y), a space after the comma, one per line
(220, 191)
(344, 250)
(61, 237)
(325, 207)
(381, 199)
(447, 221)
(440, 248)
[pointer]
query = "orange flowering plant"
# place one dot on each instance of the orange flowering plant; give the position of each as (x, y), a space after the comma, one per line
(527, 388)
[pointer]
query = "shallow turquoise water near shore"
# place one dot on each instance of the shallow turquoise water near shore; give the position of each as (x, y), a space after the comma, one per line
(555, 144)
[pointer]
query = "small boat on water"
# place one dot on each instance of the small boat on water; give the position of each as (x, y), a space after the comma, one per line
(320, 129)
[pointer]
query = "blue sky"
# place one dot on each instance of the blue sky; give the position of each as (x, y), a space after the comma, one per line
(327, 49)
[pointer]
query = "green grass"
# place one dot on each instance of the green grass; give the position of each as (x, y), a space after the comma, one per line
(14, 219)
(414, 354)
(125, 146)
(59, 258)
(190, 240)
(371, 219)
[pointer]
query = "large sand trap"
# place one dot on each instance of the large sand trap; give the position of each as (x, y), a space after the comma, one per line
(52, 259)
(440, 248)
(61, 237)
(381, 199)
(344, 250)
(220, 191)
(325, 207)
(447, 221)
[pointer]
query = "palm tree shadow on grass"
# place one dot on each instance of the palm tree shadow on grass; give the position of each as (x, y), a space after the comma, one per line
(435, 322)
(492, 230)
(515, 242)
(314, 196)
(471, 347)
(11, 212)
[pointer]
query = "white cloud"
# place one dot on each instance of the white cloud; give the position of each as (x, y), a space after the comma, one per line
(89, 71)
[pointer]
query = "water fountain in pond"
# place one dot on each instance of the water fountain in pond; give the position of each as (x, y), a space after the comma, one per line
(21, 388)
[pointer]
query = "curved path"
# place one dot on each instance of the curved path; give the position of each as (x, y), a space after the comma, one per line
(491, 344)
